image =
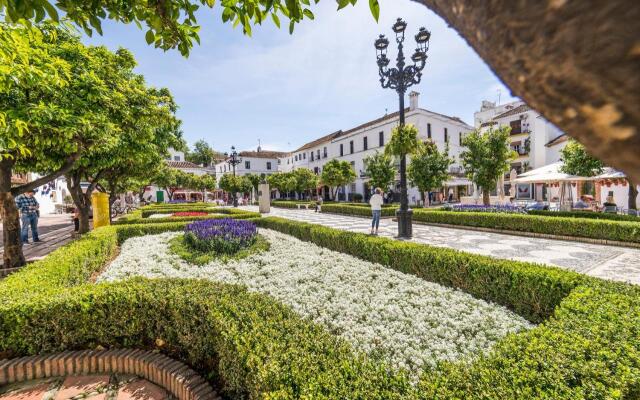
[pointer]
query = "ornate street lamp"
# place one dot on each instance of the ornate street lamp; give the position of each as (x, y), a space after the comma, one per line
(233, 159)
(400, 78)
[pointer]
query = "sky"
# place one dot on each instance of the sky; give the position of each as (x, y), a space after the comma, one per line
(285, 90)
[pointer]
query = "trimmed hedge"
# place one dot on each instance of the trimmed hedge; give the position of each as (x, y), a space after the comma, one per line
(622, 231)
(169, 218)
(364, 211)
(587, 214)
(253, 347)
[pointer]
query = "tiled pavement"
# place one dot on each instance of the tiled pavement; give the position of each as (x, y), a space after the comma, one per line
(611, 262)
(94, 387)
(54, 230)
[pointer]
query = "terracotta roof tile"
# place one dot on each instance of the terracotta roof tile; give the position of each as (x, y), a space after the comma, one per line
(318, 141)
(182, 164)
(559, 139)
(518, 110)
(263, 154)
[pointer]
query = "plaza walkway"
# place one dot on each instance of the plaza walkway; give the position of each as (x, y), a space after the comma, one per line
(610, 262)
(54, 230)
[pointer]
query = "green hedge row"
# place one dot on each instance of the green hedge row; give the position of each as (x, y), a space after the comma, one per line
(216, 215)
(531, 290)
(356, 210)
(587, 214)
(589, 348)
(622, 231)
(168, 210)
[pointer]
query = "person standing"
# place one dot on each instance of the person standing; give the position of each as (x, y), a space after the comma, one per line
(376, 202)
(28, 207)
(319, 203)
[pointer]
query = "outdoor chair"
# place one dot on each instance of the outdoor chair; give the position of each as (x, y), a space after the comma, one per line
(611, 209)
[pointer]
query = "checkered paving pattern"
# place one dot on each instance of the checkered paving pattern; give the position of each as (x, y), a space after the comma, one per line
(610, 262)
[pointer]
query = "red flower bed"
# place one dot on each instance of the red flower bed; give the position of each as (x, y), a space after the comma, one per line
(189, 214)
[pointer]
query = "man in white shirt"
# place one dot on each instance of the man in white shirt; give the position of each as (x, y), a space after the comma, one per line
(376, 202)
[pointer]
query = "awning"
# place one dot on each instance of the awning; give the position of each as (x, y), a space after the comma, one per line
(552, 173)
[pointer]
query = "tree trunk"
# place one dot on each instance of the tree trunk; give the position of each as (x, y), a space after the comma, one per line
(486, 199)
(633, 194)
(81, 200)
(12, 256)
(575, 62)
(112, 199)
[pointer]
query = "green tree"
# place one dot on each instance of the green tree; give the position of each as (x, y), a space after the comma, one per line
(276, 181)
(487, 156)
(234, 184)
(404, 141)
(306, 180)
(202, 153)
(144, 127)
(381, 170)
(56, 96)
(577, 161)
(429, 168)
(169, 24)
(336, 174)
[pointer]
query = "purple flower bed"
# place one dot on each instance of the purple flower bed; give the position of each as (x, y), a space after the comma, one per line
(223, 236)
(483, 208)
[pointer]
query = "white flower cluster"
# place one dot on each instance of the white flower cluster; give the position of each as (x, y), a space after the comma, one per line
(159, 215)
(407, 321)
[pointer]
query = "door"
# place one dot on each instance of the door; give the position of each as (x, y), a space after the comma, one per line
(160, 196)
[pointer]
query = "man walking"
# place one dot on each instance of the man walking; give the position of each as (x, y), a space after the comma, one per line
(28, 207)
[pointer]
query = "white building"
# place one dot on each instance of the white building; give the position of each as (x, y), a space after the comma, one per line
(356, 144)
(259, 162)
(536, 141)
(176, 160)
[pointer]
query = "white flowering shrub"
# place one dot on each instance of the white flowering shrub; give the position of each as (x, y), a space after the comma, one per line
(407, 321)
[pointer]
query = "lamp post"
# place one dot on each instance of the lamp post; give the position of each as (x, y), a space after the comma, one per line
(233, 159)
(400, 78)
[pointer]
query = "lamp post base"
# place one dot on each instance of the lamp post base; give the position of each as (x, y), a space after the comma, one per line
(405, 228)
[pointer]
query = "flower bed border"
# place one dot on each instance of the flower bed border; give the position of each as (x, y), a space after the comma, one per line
(171, 375)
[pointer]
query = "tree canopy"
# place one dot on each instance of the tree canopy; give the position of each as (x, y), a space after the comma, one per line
(380, 169)
(337, 173)
(202, 153)
(486, 157)
(429, 168)
(577, 161)
(404, 140)
(168, 24)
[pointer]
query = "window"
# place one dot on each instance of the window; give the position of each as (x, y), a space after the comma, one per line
(381, 139)
(247, 165)
(296, 157)
(460, 138)
(341, 149)
(365, 145)
(304, 155)
(515, 127)
(318, 152)
(268, 164)
(279, 161)
(446, 136)
(312, 156)
(351, 147)
(429, 131)
(324, 154)
(176, 158)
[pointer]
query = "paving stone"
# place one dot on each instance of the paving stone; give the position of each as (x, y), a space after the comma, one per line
(27, 392)
(610, 262)
(141, 390)
(75, 385)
